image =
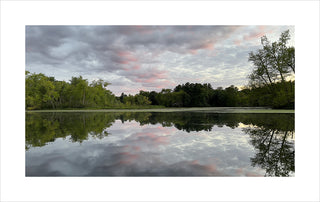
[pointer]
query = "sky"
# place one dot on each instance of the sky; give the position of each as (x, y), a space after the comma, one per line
(149, 58)
(132, 149)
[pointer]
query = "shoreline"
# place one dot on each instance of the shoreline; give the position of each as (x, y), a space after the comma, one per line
(191, 109)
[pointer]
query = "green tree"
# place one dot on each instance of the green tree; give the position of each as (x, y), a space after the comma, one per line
(290, 58)
(129, 100)
(40, 91)
(218, 98)
(273, 62)
(46, 92)
(98, 95)
(79, 87)
(153, 98)
(231, 96)
(141, 100)
(63, 89)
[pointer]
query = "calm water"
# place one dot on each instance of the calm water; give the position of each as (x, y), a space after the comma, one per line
(159, 144)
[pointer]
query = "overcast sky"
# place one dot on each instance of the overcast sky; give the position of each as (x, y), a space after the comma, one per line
(134, 58)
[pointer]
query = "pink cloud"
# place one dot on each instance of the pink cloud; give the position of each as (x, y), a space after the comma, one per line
(124, 62)
(142, 29)
(260, 32)
(211, 168)
(149, 76)
(151, 139)
(128, 155)
(193, 52)
(126, 57)
(237, 42)
(208, 46)
(242, 172)
(208, 169)
(141, 89)
(208, 43)
(253, 36)
(195, 162)
(127, 158)
(156, 53)
(134, 67)
(239, 171)
(256, 34)
(166, 84)
(166, 131)
(150, 80)
(251, 174)
(161, 86)
(205, 45)
(136, 148)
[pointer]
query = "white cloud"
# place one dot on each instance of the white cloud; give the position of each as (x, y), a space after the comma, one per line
(146, 57)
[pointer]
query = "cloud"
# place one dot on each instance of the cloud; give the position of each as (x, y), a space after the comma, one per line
(150, 57)
(148, 150)
(123, 57)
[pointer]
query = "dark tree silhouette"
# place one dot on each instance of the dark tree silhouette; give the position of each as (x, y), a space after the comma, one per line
(275, 151)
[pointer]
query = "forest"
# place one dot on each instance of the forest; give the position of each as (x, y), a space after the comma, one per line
(270, 84)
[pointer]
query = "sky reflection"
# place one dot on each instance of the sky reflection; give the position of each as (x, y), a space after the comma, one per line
(147, 150)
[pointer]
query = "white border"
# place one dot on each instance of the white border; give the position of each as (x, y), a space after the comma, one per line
(16, 187)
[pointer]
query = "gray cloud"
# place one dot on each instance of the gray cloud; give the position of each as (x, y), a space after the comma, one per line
(149, 150)
(145, 57)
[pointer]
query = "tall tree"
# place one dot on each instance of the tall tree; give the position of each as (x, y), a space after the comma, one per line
(79, 90)
(40, 91)
(273, 62)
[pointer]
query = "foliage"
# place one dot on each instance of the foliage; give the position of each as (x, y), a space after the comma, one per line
(42, 128)
(269, 86)
(271, 136)
(273, 62)
(275, 153)
(274, 65)
(136, 100)
(46, 126)
(203, 95)
(40, 91)
(44, 92)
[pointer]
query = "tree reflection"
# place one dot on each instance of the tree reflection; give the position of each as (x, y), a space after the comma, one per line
(42, 128)
(272, 135)
(46, 127)
(275, 150)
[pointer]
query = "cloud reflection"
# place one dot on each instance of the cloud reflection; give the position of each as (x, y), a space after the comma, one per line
(148, 150)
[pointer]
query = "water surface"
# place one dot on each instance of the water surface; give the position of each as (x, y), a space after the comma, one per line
(159, 144)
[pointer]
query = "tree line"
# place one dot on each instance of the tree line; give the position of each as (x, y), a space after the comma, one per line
(44, 92)
(270, 85)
